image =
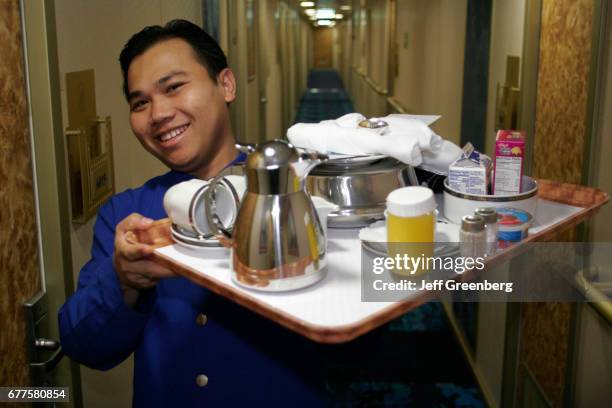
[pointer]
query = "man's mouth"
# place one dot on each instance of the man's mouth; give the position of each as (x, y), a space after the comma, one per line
(172, 133)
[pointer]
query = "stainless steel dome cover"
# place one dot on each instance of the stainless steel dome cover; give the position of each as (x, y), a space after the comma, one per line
(359, 188)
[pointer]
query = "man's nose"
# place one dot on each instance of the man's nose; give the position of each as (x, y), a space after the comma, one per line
(161, 110)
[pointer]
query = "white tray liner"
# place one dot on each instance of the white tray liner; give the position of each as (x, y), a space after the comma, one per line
(336, 300)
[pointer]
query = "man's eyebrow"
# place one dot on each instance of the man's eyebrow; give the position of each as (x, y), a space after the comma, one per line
(133, 95)
(169, 76)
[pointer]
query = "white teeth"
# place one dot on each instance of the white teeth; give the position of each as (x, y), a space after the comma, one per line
(173, 133)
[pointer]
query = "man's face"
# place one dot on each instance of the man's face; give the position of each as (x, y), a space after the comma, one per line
(177, 111)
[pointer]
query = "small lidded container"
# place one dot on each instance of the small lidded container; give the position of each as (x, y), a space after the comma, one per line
(411, 215)
(411, 223)
(472, 236)
(489, 214)
(513, 225)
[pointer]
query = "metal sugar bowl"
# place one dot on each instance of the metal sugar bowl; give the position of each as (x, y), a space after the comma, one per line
(277, 242)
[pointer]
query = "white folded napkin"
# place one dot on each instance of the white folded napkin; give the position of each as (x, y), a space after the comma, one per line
(440, 161)
(407, 138)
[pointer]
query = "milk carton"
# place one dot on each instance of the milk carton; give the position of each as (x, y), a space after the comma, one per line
(470, 173)
(508, 162)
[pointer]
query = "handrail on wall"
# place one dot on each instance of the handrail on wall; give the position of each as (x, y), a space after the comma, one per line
(379, 89)
(395, 104)
(399, 108)
(594, 294)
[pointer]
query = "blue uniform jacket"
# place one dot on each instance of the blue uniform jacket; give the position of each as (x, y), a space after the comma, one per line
(248, 360)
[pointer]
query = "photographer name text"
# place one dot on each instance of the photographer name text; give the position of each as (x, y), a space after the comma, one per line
(441, 284)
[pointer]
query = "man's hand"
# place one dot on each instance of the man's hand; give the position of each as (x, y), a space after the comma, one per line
(134, 270)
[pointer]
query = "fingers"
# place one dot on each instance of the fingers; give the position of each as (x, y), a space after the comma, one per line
(143, 274)
(126, 242)
(153, 270)
(132, 252)
(132, 222)
(141, 282)
(130, 256)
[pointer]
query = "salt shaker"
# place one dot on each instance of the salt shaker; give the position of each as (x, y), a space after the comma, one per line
(489, 214)
(472, 236)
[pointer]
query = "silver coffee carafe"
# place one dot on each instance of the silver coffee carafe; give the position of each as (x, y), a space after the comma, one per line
(277, 242)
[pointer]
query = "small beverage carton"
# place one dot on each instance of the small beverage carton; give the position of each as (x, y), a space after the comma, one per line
(470, 173)
(508, 162)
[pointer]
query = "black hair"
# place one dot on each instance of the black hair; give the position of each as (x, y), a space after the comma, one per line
(207, 50)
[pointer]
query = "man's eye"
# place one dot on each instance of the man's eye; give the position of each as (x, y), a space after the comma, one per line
(138, 105)
(174, 87)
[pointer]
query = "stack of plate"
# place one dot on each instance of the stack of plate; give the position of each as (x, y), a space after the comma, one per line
(188, 239)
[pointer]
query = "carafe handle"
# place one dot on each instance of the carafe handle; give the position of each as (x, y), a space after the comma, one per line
(223, 234)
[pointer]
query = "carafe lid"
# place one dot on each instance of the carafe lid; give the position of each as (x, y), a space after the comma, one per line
(276, 167)
(271, 155)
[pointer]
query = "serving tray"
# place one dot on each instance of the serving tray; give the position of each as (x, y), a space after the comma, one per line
(331, 311)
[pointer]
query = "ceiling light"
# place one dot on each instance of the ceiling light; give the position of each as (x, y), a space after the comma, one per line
(325, 13)
(339, 16)
(310, 12)
(307, 4)
(324, 23)
(345, 8)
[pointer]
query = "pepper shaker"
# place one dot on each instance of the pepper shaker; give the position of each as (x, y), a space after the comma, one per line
(472, 236)
(489, 214)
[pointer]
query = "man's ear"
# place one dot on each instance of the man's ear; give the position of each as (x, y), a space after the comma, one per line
(227, 81)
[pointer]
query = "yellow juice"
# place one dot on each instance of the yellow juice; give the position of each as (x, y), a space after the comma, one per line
(410, 229)
(410, 236)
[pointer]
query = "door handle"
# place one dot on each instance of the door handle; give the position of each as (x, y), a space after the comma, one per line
(263, 100)
(44, 367)
(46, 344)
(35, 311)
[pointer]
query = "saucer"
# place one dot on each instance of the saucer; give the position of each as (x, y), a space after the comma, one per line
(183, 237)
(374, 239)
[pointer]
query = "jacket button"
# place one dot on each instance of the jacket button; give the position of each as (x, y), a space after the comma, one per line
(201, 319)
(202, 380)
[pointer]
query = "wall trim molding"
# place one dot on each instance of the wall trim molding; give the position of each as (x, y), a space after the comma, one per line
(377, 88)
(397, 105)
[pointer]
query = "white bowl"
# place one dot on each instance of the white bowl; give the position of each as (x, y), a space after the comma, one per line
(458, 204)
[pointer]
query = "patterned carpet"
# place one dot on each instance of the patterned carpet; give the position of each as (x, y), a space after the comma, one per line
(319, 104)
(324, 78)
(413, 361)
(324, 99)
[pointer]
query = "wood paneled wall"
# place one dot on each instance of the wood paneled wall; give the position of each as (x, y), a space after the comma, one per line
(561, 116)
(563, 79)
(19, 273)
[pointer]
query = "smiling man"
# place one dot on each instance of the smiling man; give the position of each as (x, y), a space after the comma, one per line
(178, 110)
(191, 347)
